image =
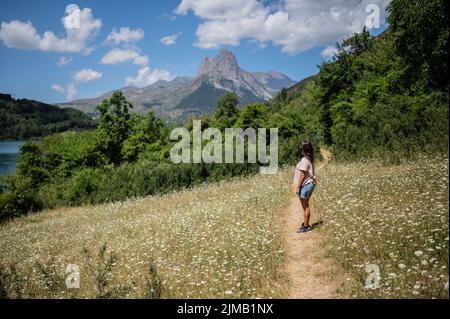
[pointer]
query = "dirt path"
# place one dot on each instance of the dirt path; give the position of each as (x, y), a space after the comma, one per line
(310, 274)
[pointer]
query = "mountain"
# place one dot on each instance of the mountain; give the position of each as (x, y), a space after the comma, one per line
(191, 96)
(274, 81)
(23, 119)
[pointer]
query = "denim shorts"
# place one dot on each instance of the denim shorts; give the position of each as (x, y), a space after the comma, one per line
(307, 190)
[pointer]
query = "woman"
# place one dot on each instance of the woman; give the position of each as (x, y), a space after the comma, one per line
(305, 181)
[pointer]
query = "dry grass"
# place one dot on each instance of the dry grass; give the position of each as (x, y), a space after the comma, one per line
(225, 239)
(219, 240)
(395, 217)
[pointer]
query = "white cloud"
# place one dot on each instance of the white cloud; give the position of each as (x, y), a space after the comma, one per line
(294, 25)
(141, 60)
(125, 35)
(58, 88)
(329, 52)
(22, 35)
(146, 77)
(84, 75)
(87, 75)
(19, 35)
(71, 90)
(63, 61)
(170, 39)
(131, 53)
(218, 9)
(116, 56)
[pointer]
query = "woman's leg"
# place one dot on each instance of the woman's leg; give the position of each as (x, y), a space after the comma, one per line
(306, 211)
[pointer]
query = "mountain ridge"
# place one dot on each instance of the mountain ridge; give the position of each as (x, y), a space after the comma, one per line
(186, 96)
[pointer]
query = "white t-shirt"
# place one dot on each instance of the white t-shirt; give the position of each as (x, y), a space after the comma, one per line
(305, 165)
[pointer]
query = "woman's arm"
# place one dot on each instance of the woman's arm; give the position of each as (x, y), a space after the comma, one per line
(301, 178)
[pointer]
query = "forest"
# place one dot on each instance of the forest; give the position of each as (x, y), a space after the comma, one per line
(22, 119)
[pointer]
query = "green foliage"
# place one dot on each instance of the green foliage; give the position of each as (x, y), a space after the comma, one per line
(19, 199)
(385, 96)
(282, 96)
(253, 115)
(226, 111)
(115, 125)
(356, 44)
(65, 153)
(24, 119)
(147, 134)
(420, 30)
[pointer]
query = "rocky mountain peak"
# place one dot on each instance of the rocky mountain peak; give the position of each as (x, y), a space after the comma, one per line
(224, 65)
(186, 96)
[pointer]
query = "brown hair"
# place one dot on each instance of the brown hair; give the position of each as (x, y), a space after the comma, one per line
(305, 149)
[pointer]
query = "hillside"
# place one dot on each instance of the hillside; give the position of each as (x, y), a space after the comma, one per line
(23, 119)
(171, 246)
(182, 248)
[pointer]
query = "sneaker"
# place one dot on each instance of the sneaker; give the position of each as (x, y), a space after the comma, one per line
(304, 229)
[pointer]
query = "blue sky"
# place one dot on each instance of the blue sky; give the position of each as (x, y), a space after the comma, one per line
(288, 36)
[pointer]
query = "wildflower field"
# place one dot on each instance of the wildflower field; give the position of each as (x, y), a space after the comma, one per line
(217, 240)
(386, 226)
(391, 219)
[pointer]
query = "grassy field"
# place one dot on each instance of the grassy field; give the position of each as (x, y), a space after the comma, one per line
(219, 240)
(394, 218)
(225, 239)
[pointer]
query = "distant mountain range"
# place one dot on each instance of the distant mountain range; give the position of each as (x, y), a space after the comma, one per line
(191, 96)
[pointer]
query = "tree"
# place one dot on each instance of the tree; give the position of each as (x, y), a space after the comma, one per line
(253, 115)
(420, 30)
(115, 125)
(283, 95)
(358, 42)
(147, 130)
(227, 111)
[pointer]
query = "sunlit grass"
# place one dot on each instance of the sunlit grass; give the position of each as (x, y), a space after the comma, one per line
(395, 217)
(224, 239)
(218, 240)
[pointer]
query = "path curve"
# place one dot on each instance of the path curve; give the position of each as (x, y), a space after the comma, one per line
(310, 273)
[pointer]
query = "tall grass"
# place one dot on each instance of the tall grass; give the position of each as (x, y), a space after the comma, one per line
(395, 217)
(217, 240)
(224, 239)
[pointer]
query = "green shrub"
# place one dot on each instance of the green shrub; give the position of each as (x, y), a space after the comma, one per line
(18, 200)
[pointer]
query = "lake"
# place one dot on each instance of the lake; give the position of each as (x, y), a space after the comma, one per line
(9, 153)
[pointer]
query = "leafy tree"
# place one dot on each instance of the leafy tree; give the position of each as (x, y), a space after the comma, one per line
(115, 125)
(420, 30)
(147, 130)
(253, 115)
(357, 43)
(283, 95)
(227, 111)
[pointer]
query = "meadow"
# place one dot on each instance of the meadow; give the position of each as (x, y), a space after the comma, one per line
(225, 239)
(394, 219)
(216, 241)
